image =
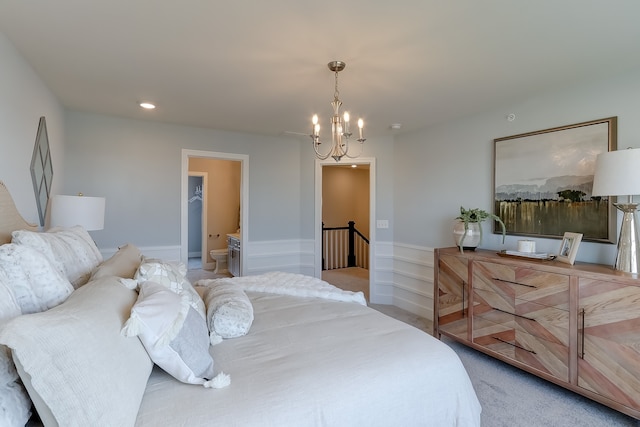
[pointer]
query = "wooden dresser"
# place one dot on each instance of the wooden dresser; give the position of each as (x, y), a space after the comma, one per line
(577, 326)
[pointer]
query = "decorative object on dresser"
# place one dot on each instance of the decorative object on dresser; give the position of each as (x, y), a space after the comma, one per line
(467, 229)
(537, 195)
(569, 247)
(576, 326)
(618, 174)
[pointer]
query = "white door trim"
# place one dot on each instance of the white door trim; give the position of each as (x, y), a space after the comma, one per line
(371, 161)
(244, 199)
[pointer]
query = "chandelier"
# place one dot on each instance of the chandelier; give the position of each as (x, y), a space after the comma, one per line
(340, 133)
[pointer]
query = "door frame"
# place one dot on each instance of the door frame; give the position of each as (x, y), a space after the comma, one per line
(184, 203)
(371, 161)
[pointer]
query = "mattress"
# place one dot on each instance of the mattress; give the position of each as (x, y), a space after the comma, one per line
(316, 362)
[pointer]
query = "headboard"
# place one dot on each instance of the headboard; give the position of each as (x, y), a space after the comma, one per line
(10, 218)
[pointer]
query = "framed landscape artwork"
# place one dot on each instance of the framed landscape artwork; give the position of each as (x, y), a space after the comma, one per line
(543, 182)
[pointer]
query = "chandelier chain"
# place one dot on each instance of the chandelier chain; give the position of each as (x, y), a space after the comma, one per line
(336, 93)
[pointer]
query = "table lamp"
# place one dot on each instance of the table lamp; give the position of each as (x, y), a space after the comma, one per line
(617, 173)
(69, 211)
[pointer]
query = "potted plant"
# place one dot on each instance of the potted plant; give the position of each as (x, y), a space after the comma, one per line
(467, 232)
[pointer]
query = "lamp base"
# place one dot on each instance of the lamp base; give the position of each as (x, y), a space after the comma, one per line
(628, 256)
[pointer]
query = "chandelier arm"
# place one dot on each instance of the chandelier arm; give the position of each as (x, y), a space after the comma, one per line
(359, 152)
(316, 143)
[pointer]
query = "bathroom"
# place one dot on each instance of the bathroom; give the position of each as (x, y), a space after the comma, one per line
(213, 211)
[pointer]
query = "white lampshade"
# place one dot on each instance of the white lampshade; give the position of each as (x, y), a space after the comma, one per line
(617, 173)
(69, 211)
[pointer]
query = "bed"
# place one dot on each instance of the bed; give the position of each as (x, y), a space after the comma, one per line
(311, 355)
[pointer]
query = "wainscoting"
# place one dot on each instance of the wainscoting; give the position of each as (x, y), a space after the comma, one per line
(400, 274)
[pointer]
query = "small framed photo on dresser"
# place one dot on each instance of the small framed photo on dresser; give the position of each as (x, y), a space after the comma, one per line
(569, 247)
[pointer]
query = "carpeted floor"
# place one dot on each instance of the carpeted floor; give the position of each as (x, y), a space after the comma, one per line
(350, 279)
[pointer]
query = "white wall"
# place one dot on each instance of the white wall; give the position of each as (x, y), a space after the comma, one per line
(451, 164)
(24, 98)
(136, 165)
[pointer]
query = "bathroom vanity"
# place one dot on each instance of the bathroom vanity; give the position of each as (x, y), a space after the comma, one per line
(233, 257)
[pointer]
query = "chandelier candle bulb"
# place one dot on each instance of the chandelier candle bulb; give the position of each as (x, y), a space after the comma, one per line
(526, 246)
(360, 126)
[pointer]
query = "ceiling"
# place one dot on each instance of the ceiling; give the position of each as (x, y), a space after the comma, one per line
(261, 66)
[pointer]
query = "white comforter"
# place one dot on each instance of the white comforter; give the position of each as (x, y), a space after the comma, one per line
(317, 362)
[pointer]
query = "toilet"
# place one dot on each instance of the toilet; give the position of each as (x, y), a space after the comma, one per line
(220, 257)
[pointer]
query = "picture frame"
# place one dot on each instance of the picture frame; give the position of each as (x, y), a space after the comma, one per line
(543, 181)
(569, 247)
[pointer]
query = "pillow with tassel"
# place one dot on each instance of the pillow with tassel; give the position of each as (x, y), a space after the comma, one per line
(174, 334)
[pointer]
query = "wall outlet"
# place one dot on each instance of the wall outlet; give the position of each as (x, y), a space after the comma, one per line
(382, 223)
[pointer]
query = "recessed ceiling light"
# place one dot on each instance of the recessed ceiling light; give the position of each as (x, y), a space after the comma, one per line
(354, 166)
(395, 126)
(147, 105)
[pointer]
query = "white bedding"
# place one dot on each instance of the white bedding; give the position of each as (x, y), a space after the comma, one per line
(301, 365)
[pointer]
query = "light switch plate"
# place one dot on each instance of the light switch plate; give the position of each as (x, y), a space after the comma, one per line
(382, 223)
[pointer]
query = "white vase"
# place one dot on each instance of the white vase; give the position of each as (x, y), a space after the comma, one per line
(471, 239)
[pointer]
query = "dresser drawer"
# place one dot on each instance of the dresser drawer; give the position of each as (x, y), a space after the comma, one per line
(548, 323)
(544, 288)
(546, 356)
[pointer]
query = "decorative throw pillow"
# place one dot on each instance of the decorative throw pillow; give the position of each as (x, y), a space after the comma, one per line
(76, 364)
(229, 311)
(174, 335)
(36, 284)
(123, 263)
(15, 406)
(72, 251)
(172, 276)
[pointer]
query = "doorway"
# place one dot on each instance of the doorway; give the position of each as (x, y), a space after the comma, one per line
(240, 209)
(369, 214)
(197, 225)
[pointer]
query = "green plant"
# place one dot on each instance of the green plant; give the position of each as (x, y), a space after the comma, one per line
(477, 215)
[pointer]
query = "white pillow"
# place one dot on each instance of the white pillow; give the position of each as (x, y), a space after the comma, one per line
(173, 333)
(36, 284)
(15, 406)
(71, 250)
(123, 263)
(172, 276)
(229, 311)
(85, 373)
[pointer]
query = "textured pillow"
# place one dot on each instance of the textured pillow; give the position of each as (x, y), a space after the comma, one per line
(72, 251)
(172, 276)
(15, 406)
(174, 335)
(85, 373)
(229, 311)
(36, 284)
(123, 263)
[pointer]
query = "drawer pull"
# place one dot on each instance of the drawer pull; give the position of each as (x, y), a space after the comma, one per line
(515, 345)
(513, 314)
(581, 315)
(513, 283)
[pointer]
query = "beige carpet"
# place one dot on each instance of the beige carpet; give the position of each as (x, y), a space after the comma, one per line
(357, 279)
(352, 279)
